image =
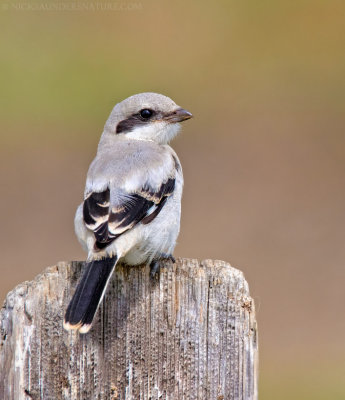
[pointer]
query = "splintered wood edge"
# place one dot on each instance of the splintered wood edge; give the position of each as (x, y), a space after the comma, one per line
(218, 268)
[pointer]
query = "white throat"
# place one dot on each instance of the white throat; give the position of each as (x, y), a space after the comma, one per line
(160, 132)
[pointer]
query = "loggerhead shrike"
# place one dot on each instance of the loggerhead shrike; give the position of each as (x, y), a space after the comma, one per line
(132, 201)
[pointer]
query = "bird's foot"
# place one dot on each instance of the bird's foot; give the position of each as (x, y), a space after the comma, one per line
(155, 265)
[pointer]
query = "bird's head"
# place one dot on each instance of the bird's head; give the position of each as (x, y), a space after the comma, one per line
(146, 116)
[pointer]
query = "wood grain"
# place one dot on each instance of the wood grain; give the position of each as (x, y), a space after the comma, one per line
(189, 334)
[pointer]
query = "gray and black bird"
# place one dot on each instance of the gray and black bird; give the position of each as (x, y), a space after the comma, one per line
(132, 201)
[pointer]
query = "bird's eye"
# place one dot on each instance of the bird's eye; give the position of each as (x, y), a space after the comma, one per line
(146, 113)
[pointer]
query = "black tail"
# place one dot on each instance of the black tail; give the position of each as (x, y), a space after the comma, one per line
(89, 294)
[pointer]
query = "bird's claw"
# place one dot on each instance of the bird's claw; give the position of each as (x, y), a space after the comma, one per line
(155, 265)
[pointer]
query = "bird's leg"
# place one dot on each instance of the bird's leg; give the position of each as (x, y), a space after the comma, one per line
(155, 265)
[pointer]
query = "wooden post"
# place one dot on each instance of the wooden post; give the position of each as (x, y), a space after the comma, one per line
(189, 334)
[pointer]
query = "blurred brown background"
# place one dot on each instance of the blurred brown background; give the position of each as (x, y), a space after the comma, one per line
(264, 157)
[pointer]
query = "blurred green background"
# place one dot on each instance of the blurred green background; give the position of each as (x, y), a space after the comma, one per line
(264, 157)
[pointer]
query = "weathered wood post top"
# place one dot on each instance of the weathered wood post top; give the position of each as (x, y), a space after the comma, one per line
(188, 334)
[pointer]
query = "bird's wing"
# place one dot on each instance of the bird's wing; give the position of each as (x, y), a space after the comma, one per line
(108, 219)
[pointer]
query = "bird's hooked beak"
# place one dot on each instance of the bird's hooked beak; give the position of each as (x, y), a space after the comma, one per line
(178, 115)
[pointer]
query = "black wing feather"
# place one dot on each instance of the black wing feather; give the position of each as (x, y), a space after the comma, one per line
(108, 224)
(96, 206)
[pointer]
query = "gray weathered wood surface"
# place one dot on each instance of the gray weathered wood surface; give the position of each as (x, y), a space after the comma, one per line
(190, 334)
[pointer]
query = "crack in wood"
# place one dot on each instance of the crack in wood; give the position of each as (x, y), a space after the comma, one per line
(188, 334)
